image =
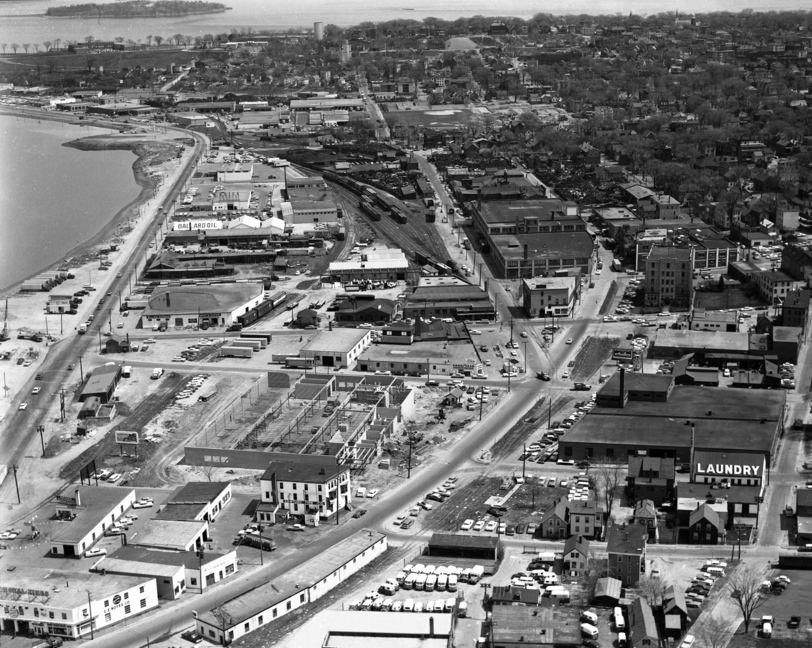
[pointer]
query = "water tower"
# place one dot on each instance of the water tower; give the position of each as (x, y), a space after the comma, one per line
(318, 29)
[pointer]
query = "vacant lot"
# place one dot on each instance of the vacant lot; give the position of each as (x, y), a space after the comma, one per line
(437, 116)
(733, 298)
(594, 352)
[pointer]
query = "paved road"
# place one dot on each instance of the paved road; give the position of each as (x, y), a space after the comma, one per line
(16, 448)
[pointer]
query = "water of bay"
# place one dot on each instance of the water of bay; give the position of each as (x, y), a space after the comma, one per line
(54, 197)
(22, 21)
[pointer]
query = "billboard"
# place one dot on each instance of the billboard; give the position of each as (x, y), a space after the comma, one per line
(126, 438)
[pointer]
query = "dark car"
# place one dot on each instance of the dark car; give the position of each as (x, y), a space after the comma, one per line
(191, 635)
(359, 513)
(794, 622)
(521, 528)
(510, 530)
(542, 376)
(497, 511)
(38, 377)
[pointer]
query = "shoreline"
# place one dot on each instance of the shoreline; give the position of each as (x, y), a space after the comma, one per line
(135, 16)
(141, 179)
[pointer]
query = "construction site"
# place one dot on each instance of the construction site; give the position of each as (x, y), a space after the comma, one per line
(348, 417)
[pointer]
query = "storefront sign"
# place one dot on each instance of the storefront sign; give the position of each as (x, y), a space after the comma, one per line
(727, 469)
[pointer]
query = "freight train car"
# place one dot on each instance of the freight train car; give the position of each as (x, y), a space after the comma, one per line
(370, 210)
(278, 298)
(399, 216)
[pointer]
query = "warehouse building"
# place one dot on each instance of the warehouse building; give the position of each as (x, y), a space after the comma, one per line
(714, 420)
(337, 348)
(459, 301)
(196, 501)
(374, 265)
(102, 383)
(70, 604)
(88, 511)
(173, 535)
(551, 296)
(304, 584)
(175, 572)
(214, 305)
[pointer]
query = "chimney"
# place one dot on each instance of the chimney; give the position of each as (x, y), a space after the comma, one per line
(78, 497)
(431, 626)
(622, 388)
(693, 447)
(167, 299)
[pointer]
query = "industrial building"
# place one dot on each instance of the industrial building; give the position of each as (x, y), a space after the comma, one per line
(304, 584)
(337, 348)
(88, 511)
(175, 572)
(668, 421)
(373, 265)
(459, 301)
(70, 604)
(102, 383)
(519, 626)
(173, 535)
(196, 501)
(669, 276)
(213, 305)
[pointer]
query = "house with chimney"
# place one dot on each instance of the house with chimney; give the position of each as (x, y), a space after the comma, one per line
(705, 526)
(554, 522)
(576, 556)
(651, 478)
(626, 549)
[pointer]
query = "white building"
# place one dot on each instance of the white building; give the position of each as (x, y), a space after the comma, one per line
(65, 604)
(773, 285)
(215, 305)
(304, 584)
(197, 224)
(337, 348)
(88, 512)
(315, 487)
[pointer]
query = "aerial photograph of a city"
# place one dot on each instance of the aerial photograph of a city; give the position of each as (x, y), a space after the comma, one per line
(405, 324)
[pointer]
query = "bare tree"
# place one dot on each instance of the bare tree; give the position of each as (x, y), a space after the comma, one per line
(4, 46)
(149, 40)
(56, 42)
(26, 46)
(652, 589)
(36, 47)
(223, 618)
(15, 47)
(608, 475)
(208, 471)
(89, 39)
(715, 632)
(158, 40)
(745, 589)
(596, 568)
(47, 45)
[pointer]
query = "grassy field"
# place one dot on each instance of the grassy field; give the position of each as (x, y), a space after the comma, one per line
(161, 59)
(593, 354)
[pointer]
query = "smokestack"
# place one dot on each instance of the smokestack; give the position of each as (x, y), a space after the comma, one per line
(318, 29)
(693, 447)
(622, 387)
(431, 626)
(78, 497)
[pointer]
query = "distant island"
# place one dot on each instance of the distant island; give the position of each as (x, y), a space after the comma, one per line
(136, 9)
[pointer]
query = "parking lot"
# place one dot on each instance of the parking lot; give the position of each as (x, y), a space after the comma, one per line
(796, 600)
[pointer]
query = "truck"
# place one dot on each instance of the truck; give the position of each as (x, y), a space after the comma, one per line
(266, 544)
(477, 572)
(126, 371)
(156, 373)
(82, 329)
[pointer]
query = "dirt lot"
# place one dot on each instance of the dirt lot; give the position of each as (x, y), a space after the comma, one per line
(732, 298)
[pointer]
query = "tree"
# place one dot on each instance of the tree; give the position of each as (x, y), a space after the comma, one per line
(26, 46)
(149, 40)
(15, 47)
(652, 589)
(223, 618)
(4, 46)
(47, 45)
(745, 590)
(608, 476)
(178, 38)
(715, 632)
(595, 569)
(158, 40)
(89, 39)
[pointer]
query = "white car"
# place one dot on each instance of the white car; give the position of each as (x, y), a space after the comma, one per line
(569, 340)
(467, 525)
(114, 478)
(98, 551)
(478, 526)
(23, 406)
(490, 526)
(372, 492)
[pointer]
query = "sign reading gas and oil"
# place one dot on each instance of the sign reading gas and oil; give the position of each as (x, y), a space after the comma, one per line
(728, 470)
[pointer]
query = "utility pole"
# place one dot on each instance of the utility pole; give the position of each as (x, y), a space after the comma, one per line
(90, 614)
(41, 429)
(511, 332)
(411, 443)
(16, 484)
(525, 356)
(81, 370)
(549, 411)
(524, 459)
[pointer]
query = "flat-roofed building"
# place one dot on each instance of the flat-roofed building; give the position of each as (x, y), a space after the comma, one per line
(459, 301)
(214, 305)
(174, 535)
(102, 383)
(340, 347)
(722, 421)
(518, 256)
(669, 276)
(774, 285)
(373, 265)
(795, 309)
(306, 583)
(184, 570)
(515, 626)
(741, 469)
(550, 296)
(88, 511)
(702, 320)
(196, 501)
(71, 604)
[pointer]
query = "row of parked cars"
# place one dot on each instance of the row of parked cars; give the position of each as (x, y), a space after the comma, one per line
(439, 495)
(379, 603)
(703, 582)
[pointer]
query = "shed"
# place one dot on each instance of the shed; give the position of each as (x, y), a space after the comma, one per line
(463, 546)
